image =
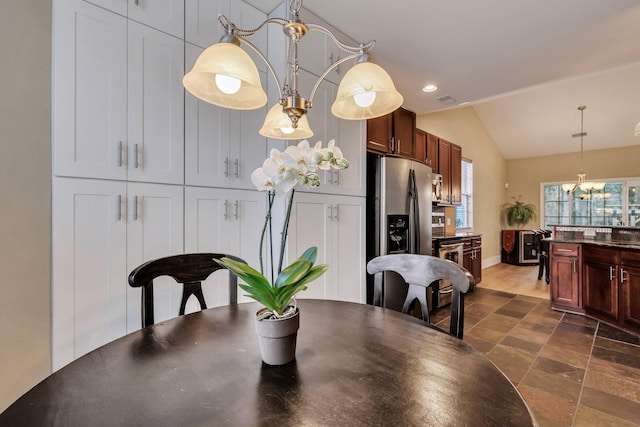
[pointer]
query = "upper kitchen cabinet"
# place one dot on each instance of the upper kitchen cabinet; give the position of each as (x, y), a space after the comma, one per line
(432, 152)
(421, 145)
(164, 15)
(201, 18)
(317, 52)
(222, 146)
(119, 113)
(393, 133)
(450, 167)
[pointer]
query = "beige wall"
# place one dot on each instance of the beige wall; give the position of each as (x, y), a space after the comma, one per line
(463, 127)
(525, 175)
(25, 187)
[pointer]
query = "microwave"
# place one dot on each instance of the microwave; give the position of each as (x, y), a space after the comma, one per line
(436, 188)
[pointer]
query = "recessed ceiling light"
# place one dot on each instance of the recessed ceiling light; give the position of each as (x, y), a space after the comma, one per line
(430, 88)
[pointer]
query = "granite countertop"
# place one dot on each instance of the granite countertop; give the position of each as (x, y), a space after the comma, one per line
(605, 243)
(457, 235)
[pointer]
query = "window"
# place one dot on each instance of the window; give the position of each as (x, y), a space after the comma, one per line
(609, 207)
(464, 212)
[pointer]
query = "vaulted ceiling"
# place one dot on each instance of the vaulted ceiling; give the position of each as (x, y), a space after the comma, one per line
(524, 66)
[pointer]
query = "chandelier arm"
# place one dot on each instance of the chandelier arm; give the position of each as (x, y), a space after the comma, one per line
(351, 49)
(327, 71)
(241, 32)
(264, 58)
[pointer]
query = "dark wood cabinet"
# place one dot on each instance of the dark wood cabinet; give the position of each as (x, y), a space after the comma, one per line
(565, 277)
(432, 152)
(472, 257)
(601, 271)
(629, 314)
(456, 174)
(444, 168)
(421, 146)
(393, 133)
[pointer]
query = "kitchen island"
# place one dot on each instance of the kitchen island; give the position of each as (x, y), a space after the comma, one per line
(595, 271)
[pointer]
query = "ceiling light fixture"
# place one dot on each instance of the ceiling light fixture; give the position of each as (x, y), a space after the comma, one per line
(225, 75)
(637, 131)
(582, 183)
(430, 88)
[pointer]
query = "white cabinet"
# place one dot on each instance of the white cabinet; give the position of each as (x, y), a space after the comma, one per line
(117, 99)
(201, 17)
(98, 238)
(165, 15)
(224, 221)
(335, 224)
(222, 146)
(156, 106)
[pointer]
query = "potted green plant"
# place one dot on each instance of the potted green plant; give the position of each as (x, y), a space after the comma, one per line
(518, 212)
(278, 321)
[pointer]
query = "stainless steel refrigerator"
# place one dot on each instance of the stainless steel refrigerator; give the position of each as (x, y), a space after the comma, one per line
(399, 193)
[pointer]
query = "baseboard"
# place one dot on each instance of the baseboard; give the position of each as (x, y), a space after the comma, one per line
(488, 262)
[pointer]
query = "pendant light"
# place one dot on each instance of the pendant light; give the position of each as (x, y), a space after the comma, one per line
(226, 76)
(582, 184)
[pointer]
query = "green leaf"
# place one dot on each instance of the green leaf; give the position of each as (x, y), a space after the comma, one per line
(314, 273)
(310, 254)
(293, 273)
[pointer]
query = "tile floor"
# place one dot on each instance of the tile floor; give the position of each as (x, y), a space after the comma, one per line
(571, 370)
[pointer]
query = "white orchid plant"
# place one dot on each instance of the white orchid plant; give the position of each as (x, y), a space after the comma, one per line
(279, 175)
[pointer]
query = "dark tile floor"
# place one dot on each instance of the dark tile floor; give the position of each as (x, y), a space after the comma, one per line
(571, 370)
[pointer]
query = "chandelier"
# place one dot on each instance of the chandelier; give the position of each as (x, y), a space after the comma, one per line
(582, 184)
(226, 76)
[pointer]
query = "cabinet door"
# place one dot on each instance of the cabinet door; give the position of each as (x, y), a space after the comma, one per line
(630, 296)
(164, 15)
(456, 174)
(117, 6)
(154, 230)
(432, 152)
(476, 265)
(201, 21)
(565, 283)
(444, 165)
(89, 285)
(404, 134)
(379, 133)
(351, 140)
(348, 260)
(89, 92)
(156, 106)
(601, 288)
(421, 146)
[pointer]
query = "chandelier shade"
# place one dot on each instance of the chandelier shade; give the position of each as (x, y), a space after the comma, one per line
(637, 130)
(221, 63)
(277, 125)
(366, 91)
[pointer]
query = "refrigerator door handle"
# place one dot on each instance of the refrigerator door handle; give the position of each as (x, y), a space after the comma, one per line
(416, 212)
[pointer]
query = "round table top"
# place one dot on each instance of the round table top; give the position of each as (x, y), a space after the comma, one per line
(355, 365)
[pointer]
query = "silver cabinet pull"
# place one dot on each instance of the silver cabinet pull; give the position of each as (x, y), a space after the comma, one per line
(330, 216)
(236, 168)
(236, 210)
(574, 262)
(564, 250)
(337, 180)
(135, 208)
(136, 162)
(337, 215)
(226, 210)
(119, 208)
(119, 153)
(226, 167)
(611, 276)
(136, 2)
(622, 272)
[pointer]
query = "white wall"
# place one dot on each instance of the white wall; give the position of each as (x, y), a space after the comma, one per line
(25, 188)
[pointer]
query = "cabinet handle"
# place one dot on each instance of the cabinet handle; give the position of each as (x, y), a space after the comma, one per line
(226, 210)
(236, 209)
(564, 250)
(236, 168)
(337, 180)
(135, 208)
(622, 278)
(611, 276)
(393, 144)
(226, 167)
(330, 216)
(136, 2)
(574, 262)
(119, 208)
(337, 215)
(119, 153)
(136, 163)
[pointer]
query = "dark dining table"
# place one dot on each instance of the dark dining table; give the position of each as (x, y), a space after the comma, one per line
(355, 365)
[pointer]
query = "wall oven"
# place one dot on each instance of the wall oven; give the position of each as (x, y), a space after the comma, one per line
(453, 251)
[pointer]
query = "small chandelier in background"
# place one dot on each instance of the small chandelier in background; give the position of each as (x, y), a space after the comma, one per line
(226, 76)
(637, 131)
(582, 184)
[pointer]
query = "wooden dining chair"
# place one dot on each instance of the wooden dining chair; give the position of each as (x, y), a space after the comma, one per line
(419, 272)
(190, 270)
